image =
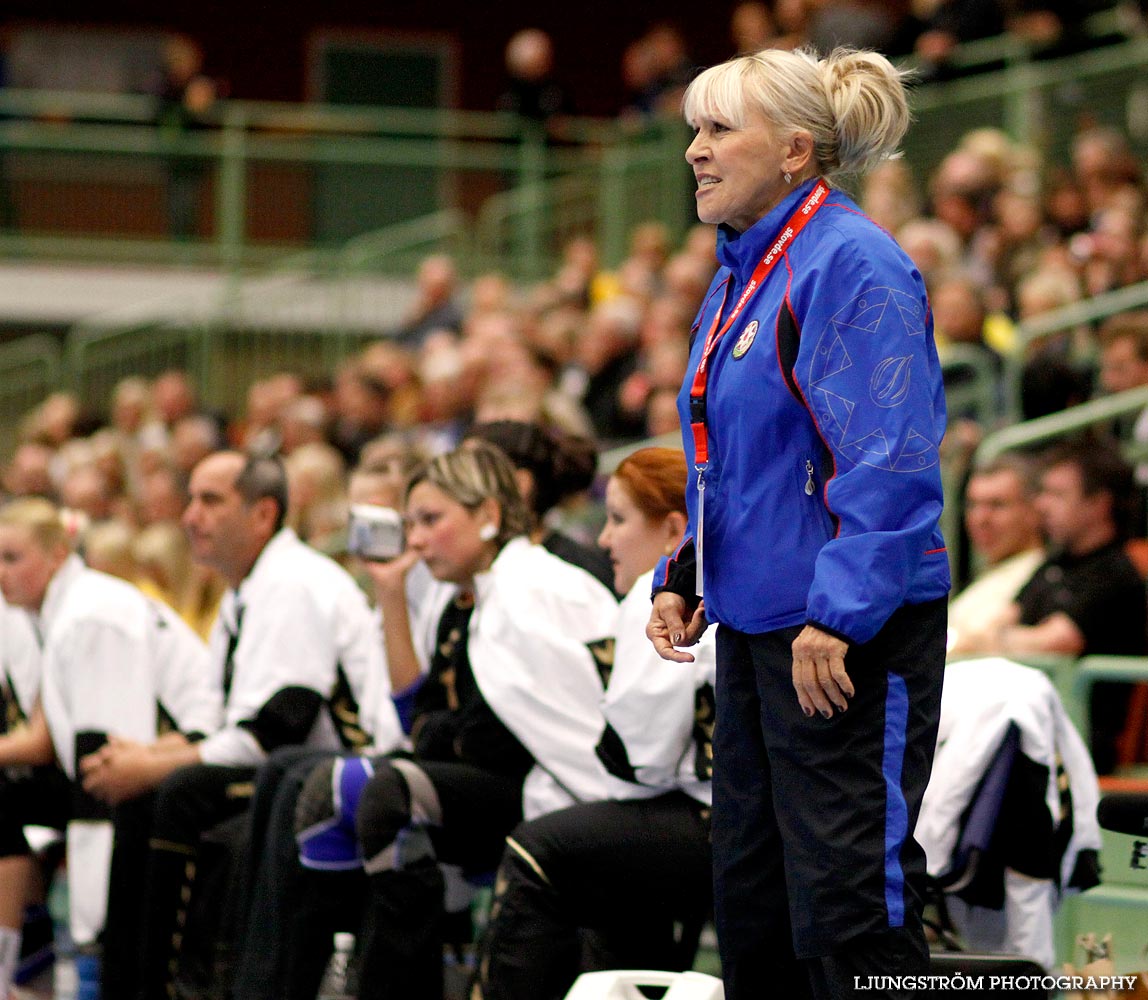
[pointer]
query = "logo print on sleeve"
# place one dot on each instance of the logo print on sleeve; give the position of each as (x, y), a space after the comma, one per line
(853, 407)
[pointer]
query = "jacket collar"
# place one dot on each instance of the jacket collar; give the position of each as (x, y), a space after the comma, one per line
(264, 566)
(741, 252)
(59, 585)
(507, 559)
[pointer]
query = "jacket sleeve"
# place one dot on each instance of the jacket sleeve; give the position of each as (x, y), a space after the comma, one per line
(868, 371)
(642, 687)
(284, 671)
(184, 683)
(677, 573)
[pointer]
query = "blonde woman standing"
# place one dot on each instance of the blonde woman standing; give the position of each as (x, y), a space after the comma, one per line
(812, 413)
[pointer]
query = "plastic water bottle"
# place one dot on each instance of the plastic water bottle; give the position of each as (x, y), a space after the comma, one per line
(335, 979)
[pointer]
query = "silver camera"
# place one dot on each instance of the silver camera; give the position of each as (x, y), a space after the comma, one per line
(374, 533)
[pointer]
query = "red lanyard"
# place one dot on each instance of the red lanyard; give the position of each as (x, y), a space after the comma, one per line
(789, 232)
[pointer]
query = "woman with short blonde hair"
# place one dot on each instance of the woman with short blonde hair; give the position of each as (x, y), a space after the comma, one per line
(812, 414)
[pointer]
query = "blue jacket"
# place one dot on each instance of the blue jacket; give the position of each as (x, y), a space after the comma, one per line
(823, 491)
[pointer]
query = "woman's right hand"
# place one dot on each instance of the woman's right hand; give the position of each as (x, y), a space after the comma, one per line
(667, 627)
(390, 578)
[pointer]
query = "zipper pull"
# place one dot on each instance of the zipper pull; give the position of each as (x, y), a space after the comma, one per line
(810, 488)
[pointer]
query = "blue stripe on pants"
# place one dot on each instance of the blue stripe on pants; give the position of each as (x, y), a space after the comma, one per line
(896, 812)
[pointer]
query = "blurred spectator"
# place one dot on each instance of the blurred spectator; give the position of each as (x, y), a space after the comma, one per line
(393, 367)
(1109, 255)
(167, 572)
(576, 273)
(266, 400)
(161, 495)
(662, 412)
(303, 421)
(604, 358)
(360, 410)
(185, 99)
(656, 69)
(685, 280)
(1087, 597)
(1124, 353)
(792, 19)
(489, 293)
(131, 402)
(107, 546)
(959, 313)
(1103, 165)
(317, 496)
(193, 438)
(29, 471)
(639, 73)
(130, 414)
(86, 489)
(961, 192)
(434, 308)
(54, 421)
(885, 25)
(1055, 375)
(1053, 27)
(1003, 526)
(450, 373)
(1123, 366)
(751, 27)
(392, 454)
(949, 23)
(1020, 237)
(1065, 203)
(889, 195)
(639, 275)
(110, 458)
(933, 246)
(172, 397)
(532, 92)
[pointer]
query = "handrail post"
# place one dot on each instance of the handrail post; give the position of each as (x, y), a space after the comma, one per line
(675, 187)
(531, 171)
(612, 206)
(231, 190)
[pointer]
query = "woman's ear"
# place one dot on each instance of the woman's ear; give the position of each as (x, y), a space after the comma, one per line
(674, 526)
(524, 479)
(59, 554)
(489, 516)
(799, 155)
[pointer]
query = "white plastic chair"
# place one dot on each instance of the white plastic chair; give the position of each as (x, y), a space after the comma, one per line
(623, 985)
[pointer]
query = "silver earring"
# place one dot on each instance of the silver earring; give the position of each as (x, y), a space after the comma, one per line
(488, 532)
(788, 177)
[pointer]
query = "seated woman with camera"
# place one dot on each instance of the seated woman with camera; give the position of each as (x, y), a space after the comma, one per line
(503, 724)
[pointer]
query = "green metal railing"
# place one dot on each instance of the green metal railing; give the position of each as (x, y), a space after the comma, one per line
(971, 384)
(321, 174)
(1096, 412)
(1087, 311)
(1039, 102)
(91, 176)
(30, 370)
(307, 314)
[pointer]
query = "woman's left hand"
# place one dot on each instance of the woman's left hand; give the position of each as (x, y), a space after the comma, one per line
(819, 675)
